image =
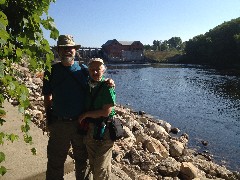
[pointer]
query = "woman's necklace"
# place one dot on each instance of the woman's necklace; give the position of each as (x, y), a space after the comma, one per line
(92, 84)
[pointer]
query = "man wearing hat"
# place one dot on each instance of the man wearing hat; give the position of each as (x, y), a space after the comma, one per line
(64, 95)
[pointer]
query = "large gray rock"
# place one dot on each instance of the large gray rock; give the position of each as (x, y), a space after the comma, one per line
(128, 133)
(176, 148)
(188, 171)
(165, 125)
(213, 170)
(169, 167)
(158, 131)
(143, 120)
(155, 146)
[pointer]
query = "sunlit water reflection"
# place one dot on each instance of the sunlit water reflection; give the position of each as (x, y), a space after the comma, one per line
(201, 102)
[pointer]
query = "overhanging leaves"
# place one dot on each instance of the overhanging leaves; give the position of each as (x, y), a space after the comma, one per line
(12, 137)
(2, 136)
(3, 170)
(2, 121)
(34, 151)
(3, 20)
(2, 113)
(2, 157)
(21, 39)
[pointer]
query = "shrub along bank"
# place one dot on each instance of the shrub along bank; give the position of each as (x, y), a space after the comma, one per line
(171, 56)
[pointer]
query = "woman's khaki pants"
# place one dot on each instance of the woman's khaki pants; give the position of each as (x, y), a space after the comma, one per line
(99, 154)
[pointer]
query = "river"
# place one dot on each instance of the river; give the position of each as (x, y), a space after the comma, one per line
(201, 102)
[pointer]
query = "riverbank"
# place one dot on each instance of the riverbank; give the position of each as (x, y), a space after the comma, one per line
(179, 57)
(172, 56)
(151, 148)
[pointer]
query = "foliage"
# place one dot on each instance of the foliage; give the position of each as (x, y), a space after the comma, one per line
(164, 51)
(147, 47)
(219, 46)
(162, 56)
(157, 45)
(21, 39)
(174, 43)
(165, 46)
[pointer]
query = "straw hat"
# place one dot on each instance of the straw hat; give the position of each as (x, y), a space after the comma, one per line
(66, 40)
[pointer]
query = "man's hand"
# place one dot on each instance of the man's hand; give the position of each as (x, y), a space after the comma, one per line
(82, 117)
(49, 116)
(110, 82)
(48, 108)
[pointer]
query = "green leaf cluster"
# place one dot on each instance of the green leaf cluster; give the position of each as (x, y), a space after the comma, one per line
(219, 46)
(3, 170)
(172, 44)
(9, 137)
(34, 151)
(21, 32)
(22, 40)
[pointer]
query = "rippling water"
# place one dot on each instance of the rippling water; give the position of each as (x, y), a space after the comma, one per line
(201, 102)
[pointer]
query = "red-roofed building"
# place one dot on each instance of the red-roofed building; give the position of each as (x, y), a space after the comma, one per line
(123, 51)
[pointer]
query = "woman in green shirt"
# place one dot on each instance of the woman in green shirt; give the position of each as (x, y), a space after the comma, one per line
(100, 106)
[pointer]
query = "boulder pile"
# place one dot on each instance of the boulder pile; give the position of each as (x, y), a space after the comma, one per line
(151, 149)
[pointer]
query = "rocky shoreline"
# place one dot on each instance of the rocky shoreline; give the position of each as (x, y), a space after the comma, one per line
(151, 149)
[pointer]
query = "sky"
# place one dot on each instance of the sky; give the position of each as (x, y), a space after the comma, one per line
(93, 22)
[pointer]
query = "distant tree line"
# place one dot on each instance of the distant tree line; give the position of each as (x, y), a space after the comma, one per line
(219, 46)
(174, 43)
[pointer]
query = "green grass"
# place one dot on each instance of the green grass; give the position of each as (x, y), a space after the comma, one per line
(163, 56)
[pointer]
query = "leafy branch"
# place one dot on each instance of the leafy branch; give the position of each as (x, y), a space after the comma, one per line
(22, 41)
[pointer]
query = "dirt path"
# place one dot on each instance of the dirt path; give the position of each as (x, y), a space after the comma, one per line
(20, 162)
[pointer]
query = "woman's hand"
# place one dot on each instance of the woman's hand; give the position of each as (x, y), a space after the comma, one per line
(104, 112)
(110, 82)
